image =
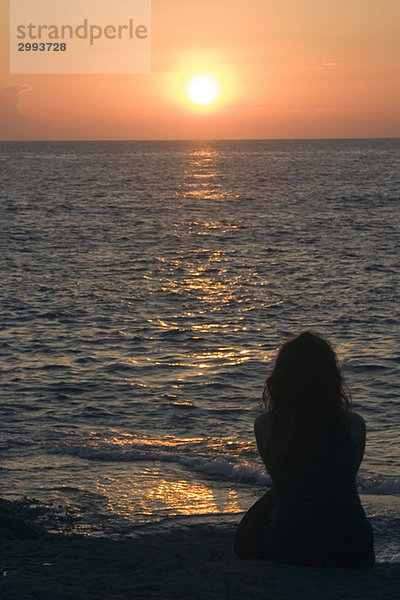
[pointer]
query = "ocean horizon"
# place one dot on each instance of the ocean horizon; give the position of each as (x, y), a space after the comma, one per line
(194, 139)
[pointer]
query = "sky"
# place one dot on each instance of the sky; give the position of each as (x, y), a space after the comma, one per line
(285, 69)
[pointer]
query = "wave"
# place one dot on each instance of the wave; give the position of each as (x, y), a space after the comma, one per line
(380, 487)
(220, 468)
(216, 458)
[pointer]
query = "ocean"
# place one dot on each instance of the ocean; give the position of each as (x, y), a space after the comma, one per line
(145, 290)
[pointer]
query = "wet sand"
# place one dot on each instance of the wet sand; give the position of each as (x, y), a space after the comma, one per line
(196, 563)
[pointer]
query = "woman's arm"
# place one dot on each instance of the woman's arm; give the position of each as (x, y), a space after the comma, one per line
(248, 540)
(262, 430)
(358, 435)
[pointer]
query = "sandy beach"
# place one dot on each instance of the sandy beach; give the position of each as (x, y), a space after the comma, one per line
(197, 562)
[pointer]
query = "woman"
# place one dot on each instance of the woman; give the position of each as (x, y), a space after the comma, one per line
(312, 445)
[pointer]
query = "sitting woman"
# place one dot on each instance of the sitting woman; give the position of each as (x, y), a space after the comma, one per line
(312, 445)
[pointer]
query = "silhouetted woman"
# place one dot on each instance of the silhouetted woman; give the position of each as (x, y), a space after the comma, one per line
(312, 445)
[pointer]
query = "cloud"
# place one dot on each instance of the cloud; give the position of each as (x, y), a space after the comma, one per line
(332, 64)
(12, 120)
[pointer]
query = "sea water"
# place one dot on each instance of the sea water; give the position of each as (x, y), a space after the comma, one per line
(145, 290)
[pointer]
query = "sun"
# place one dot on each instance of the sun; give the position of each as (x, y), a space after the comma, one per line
(202, 89)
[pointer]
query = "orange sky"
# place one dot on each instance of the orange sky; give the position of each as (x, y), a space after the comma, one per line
(287, 69)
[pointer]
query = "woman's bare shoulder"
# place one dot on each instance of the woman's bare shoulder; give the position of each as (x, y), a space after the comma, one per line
(262, 430)
(262, 427)
(358, 434)
(263, 422)
(357, 423)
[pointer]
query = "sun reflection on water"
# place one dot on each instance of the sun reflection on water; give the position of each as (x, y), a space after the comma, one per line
(183, 497)
(202, 179)
(151, 492)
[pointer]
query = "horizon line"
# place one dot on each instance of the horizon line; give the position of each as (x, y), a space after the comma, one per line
(305, 139)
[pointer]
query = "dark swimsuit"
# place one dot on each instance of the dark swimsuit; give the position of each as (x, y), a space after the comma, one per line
(317, 518)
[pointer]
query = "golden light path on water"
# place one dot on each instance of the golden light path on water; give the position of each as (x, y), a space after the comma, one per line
(204, 277)
(165, 496)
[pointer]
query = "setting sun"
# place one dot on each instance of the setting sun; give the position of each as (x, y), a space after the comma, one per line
(202, 89)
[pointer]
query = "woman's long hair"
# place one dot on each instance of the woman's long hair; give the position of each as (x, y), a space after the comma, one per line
(305, 393)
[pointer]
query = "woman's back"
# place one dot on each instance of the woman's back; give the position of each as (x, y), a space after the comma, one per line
(317, 517)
